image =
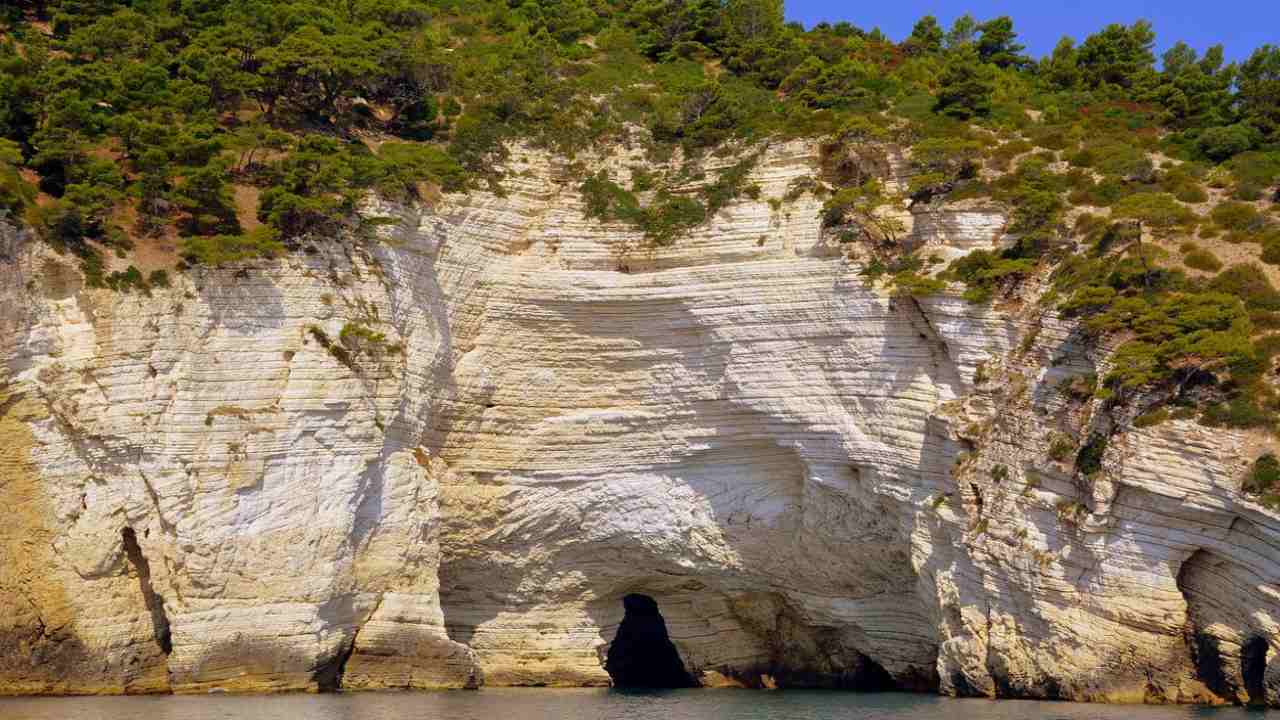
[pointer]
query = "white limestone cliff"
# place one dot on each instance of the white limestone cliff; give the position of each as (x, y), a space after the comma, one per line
(818, 482)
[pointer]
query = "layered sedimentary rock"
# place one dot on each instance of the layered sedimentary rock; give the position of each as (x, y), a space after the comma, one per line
(532, 415)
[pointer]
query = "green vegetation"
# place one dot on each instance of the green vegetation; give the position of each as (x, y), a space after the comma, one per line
(339, 353)
(856, 210)
(984, 271)
(165, 108)
(1089, 458)
(1061, 446)
(671, 212)
(1159, 211)
(1197, 258)
(252, 129)
(1151, 419)
(360, 340)
(355, 341)
(16, 194)
(1188, 341)
(223, 249)
(1263, 480)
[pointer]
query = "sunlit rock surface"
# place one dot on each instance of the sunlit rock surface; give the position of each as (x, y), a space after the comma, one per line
(819, 483)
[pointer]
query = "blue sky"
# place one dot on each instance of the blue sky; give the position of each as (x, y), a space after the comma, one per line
(1240, 25)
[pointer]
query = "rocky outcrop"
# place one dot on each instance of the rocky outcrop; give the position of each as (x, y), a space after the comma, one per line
(531, 416)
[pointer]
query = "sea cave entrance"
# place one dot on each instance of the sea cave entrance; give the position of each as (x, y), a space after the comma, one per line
(642, 654)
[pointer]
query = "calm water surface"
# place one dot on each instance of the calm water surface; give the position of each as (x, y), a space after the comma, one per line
(539, 704)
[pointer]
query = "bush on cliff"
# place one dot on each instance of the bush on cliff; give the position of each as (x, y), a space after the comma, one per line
(1263, 480)
(216, 250)
(15, 192)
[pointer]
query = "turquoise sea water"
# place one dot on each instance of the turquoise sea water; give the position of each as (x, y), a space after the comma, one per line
(593, 704)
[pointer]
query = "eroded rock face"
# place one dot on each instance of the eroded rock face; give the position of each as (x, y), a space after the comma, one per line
(817, 483)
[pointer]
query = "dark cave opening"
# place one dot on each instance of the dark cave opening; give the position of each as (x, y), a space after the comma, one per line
(870, 676)
(1207, 659)
(1253, 669)
(642, 654)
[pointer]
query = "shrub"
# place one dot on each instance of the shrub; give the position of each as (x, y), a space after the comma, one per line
(1035, 216)
(1190, 193)
(1083, 158)
(1238, 412)
(859, 206)
(478, 142)
(218, 250)
(404, 165)
(1256, 169)
(608, 201)
(1089, 458)
(730, 183)
(1159, 211)
(1249, 283)
(1271, 249)
(915, 285)
(980, 376)
(670, 216)
(1060, 446)
(1151, 419)
(1247, 193)
(1000, 157)
(1173, 333)
(940, 161)
(339, 353)
(62, 225)
(1200, 259)
(1123, 160)
(1221, 143)
(361, 340)
(15, 193)
(1237, 216)
(1263, 478)
(1080, 387)
(641, 179)
(128, 280)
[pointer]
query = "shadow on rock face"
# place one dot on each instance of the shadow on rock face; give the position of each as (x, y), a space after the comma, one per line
(1253, 669)
(642, 655)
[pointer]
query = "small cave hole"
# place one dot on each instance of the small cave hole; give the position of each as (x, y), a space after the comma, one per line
(1253, 669)
(642, 654)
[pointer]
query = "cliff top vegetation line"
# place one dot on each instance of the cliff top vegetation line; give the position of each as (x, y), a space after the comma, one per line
(134, 117)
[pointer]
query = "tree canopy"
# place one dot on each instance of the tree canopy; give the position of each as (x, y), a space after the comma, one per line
(163, 107)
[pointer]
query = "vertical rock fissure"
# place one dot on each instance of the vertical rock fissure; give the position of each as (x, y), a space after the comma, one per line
(642, 654)
(328, 676)
(154, 603)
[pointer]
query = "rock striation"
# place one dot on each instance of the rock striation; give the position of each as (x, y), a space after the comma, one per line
(818, 483)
